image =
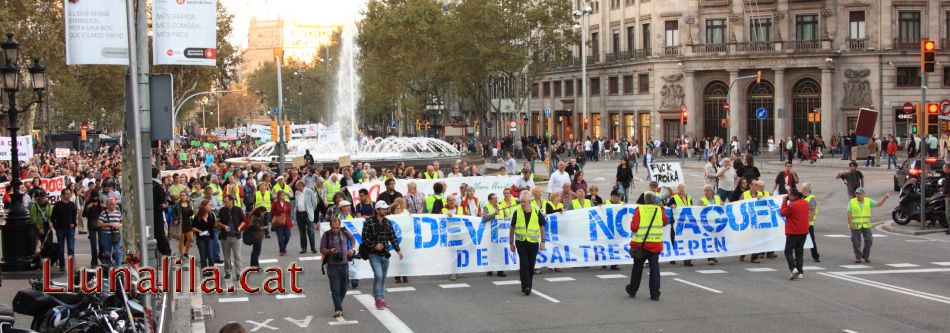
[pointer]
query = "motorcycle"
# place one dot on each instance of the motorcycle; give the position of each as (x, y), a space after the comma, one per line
(7, 320)
(908, 207)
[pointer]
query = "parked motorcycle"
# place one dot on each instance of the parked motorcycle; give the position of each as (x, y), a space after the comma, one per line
(908, 207)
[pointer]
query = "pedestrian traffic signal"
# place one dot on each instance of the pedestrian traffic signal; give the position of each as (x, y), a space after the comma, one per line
(933, 108)
(928, 48)
(913, 129)
(758, 77)
(684, 117)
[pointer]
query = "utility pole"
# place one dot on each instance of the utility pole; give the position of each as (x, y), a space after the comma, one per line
(279, 59)
(927, 49)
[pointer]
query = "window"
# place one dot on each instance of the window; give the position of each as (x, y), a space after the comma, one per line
(631, 2)
(946, 76)
(594, 86)
(672, 33)
(580, 87)
(646, 37)
(546, 89)
(644, 83)
(857, 25)
(628, 84)
(908, 77)
(613, 86)
(631, 32)
(909, 27)
(594, 46)
(615, 42)
(806, 27)
(760, 29)
(715, 31)
(557, 88)
(534, 90)
(614, 4)
(568, 88)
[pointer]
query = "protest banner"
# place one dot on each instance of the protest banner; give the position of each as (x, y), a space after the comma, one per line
(183, 156)
(667, 174)
(24, 146)
(52, 186)
(190, 173)
(61, 152)
(440, 244)
(484, 185)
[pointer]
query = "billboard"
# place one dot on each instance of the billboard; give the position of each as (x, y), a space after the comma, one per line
(184, 32)
(96, 32)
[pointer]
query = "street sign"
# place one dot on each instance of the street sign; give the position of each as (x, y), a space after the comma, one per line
(944, 117)
(761, 113)
(547, 112)
(725, 106)
(945, 107)
(908, 107)
(683, 108)
(276, 110)
(513, 124)
(393, 123)
(908, 116)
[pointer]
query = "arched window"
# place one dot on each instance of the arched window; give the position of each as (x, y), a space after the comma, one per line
(714, 117)
(806, 98)
(761, 95)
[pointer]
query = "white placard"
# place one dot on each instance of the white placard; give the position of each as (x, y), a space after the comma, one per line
(484, 185)
(24, 146)
(96, 32)
(62, 152)
(667, 174)
(183, 32)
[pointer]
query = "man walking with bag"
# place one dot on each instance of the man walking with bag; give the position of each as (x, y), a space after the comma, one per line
(796, 213)
(230, 217)
(647, 225)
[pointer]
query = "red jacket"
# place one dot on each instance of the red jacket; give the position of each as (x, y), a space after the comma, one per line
(282, 208)
(655, 247)
(796, 216)
(891, 148)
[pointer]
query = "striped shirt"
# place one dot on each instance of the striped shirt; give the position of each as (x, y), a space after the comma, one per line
(114, 216)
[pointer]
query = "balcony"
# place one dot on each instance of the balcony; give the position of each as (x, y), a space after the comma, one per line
(905, 44)
(802, 46)
(612, 57)
(857, 44)
(710, 48)
(593, 59)
(671, 50)
(756, 47)
(943, 44)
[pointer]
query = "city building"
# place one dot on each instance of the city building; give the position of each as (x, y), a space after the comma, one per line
(300, 41)
(650, 59)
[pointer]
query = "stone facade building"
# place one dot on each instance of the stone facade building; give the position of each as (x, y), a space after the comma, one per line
(648, 59)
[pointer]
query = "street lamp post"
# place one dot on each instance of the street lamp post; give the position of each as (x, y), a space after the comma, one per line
(585, 14)
(19, 235)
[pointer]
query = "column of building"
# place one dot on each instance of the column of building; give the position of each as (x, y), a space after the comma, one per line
(829, 115)
(694, 116)
(735, 114)
(783, 117)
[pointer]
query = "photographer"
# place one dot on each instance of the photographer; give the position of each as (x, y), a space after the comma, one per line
(336, 246)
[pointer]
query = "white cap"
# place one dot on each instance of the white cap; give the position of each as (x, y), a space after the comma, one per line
(382, 205)
(345, 203)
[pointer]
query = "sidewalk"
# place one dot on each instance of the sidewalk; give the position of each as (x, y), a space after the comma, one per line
(911, 229)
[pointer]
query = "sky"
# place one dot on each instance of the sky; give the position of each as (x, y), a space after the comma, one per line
(313, 11)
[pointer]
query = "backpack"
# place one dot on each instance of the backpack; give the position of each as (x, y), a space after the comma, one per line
(437, 206)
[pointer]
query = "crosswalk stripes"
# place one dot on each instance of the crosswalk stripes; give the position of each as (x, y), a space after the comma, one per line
(290, 296)
(812, 268)
(903, 265)
(612, 276)
(837, 236)
(668, 274)
(879, 235)
(310, 258)
(856, 266)
(761, 269)
(454, 285)
(941, 263)
(560, 279)
(710, 271)
(232, 299)
(505, 283)
(400, 289)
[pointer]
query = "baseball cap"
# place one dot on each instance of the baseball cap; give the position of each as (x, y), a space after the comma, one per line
(345, 203)
(859, 190)
(382, 205)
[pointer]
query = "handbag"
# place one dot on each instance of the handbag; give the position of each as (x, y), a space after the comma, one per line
(639, 253)
(49, 248)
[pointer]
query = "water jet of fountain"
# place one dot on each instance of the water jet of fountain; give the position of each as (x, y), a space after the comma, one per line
(347, 94)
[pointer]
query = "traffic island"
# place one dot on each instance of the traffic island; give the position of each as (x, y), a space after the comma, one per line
(911, 229)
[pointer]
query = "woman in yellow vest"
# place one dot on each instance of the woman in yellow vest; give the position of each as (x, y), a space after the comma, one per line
(555, 205)
(508, 204)
(262, 198)
(490, 211)
(812, 214)
(756, 191)
(647, 227)
(234, 189)
(709, 199)
(859, 221)
(680, 199)
(580, 201)
(526, 238)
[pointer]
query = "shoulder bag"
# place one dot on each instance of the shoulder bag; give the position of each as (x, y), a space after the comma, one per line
(639, 253)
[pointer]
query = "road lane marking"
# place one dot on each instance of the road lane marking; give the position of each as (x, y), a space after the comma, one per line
(454, 285)
(903, 265)
(560, 279)
(385, 317)
(232, 299)
(261, 325)
(612, 276)
(813, 268)
(856, 266)
(697, 285)
(710, 271)
(545, 296)
(342, 321)
(354, 292)
(895, 271)
(761, 269)
(401, 289)
(505, 283)
(879, 235)
(309, 258)
(941, 263)
(267, 261)
(845, 276)
(668, 274)
(303, 323)
(290, 296)
(848, 331)
(837, 236)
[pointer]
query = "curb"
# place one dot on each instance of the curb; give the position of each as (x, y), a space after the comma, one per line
(890, 226)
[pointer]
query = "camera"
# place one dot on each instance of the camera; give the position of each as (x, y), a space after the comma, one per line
(337, 256)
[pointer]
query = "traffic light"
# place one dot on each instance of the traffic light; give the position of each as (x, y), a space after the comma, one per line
(933, 108)
(758, 77)
(585, 122)
(418, 124)
(913, 129)
(928, 48)
(683, 117)
(286, 131)
(273, 131)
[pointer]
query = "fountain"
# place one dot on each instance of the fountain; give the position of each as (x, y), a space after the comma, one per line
(347, 94)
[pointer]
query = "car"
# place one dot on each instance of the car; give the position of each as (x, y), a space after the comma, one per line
(911, 169)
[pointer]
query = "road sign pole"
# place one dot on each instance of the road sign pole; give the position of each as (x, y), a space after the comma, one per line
(921, 154)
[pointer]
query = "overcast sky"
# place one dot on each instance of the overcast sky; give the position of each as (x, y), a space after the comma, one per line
(313, 11)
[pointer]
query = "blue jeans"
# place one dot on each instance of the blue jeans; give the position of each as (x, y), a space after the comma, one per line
(108, 246)
(215, 245)
(67, 242)
(380, 265)
(892, 159)
(255, 254)
(283, 237)
(339, 276)
(204, 251)
(623, 191)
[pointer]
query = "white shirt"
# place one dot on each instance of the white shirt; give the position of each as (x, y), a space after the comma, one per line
(557, 181)
(587, 145)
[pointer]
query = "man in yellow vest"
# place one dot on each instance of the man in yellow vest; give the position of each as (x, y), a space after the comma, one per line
(435, 202)
(680, 199)
(647, 227)
(579, 200)
(430, 173)
(526, 237)
(708, 199)
(812, 215)
(262, 199)
(859, 221)
(282, 186)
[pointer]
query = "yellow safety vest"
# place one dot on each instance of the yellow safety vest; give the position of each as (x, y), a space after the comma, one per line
(555, 205)
(530, 231)
(679, 201)
(235, 190)
(656, 232)
(285, 189)
(430, 202)
(532, 175)
(748, 195)
(860, 214)
(811, 219)
(489, 210)
(262, 200)
(344, 217)
(506, 207)
(706, 201)
(332, 188)
(544, 204)
(435, 175)
(576, 204)
(216, 191)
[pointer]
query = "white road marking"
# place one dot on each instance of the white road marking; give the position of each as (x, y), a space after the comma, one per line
(711, 271)
(309, 258)
(846, 277)
(895, 271)
(941, 263)
(837, 236)
(354, 292)
(599, 179)
(761, 269)
(454, 285)
(812, 268)
(612, 276)
(289, 296)
(546, 296)
(879, 235)
(697, 286)
(849, 331)
(856, 266)
(197, 302)
(300, 323)
(232, 299)
(342, 321)
(903, 265)
(261, 325)
(920, 240)
(668, 274)
(385, 317)
(267, 261)
(401, 289)
(560, 279)
(505, 283)
(219, 265)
